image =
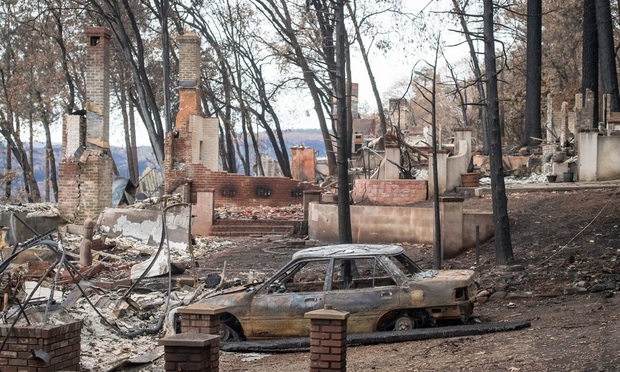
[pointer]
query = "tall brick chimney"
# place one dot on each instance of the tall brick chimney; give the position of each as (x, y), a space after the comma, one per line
(98, 86)
(189, 79)
(85, 181)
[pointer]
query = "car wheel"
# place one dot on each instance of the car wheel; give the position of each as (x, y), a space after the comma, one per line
(404, 323)
(227, 333)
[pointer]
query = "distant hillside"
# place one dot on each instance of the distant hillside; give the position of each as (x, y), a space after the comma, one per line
(306, 137)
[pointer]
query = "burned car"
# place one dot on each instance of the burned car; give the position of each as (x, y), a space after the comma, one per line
(378, 285)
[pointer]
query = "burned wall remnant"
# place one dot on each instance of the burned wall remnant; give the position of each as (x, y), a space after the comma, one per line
(389, 192)
(85, 172)
(303, 163)
(192, 149)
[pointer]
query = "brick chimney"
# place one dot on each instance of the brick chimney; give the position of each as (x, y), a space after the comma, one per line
(98, 85)
(189, 79)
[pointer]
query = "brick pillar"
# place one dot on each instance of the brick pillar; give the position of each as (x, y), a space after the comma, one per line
(98, 84)
(328, 339)
(191, 352)
(57, 347)
(201, 318)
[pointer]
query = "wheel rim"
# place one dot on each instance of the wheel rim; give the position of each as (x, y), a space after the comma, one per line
(404, 323)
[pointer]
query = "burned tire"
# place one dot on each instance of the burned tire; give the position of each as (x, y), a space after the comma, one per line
(228, 334)
(403, 320)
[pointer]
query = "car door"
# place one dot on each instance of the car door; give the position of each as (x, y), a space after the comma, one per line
(364, 288)
(278, 309)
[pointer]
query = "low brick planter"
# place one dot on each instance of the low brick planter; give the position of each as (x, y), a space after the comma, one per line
(56, 347)
(201, 318)
(191, 352)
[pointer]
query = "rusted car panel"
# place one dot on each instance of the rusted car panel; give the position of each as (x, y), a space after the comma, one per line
(378, 285)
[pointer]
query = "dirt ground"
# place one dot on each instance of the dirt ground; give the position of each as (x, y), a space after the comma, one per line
(564, 280)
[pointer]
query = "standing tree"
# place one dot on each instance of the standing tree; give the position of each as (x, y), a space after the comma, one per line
(606, 53)
(532, 128)
(503, 244)
(478, 76)
(344, 210)
(589, 56)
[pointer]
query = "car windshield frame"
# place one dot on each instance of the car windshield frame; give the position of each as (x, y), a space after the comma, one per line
(292, 267)
(404, 265)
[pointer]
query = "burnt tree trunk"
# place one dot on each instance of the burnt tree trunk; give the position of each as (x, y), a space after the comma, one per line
(503, 244)
(606, 54)
(589, 57)
(532, 128)
(344, 210)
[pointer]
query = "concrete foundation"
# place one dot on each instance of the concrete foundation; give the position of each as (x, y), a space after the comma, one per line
(394, 224)
(599, 156)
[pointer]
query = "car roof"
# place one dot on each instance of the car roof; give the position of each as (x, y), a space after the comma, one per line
(348, 250)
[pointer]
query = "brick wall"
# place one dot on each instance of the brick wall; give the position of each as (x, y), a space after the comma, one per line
(389, 192)
(239, 190)
(60, 342)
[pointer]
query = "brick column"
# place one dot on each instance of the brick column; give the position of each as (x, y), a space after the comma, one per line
(98, 84)
(201, 318)
(328, 339)
(57, 348)
(191, 352)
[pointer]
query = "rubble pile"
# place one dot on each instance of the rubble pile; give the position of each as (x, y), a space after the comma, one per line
(32, 209)
(263, 213)
(121, 323)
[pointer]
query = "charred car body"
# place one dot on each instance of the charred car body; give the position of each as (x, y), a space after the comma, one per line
(378, 285)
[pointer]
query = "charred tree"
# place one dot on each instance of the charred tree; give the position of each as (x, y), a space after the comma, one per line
(589, 57)
(606, 53)
(503, 244)
(473, 55)
(532, 128)
(344, 210)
